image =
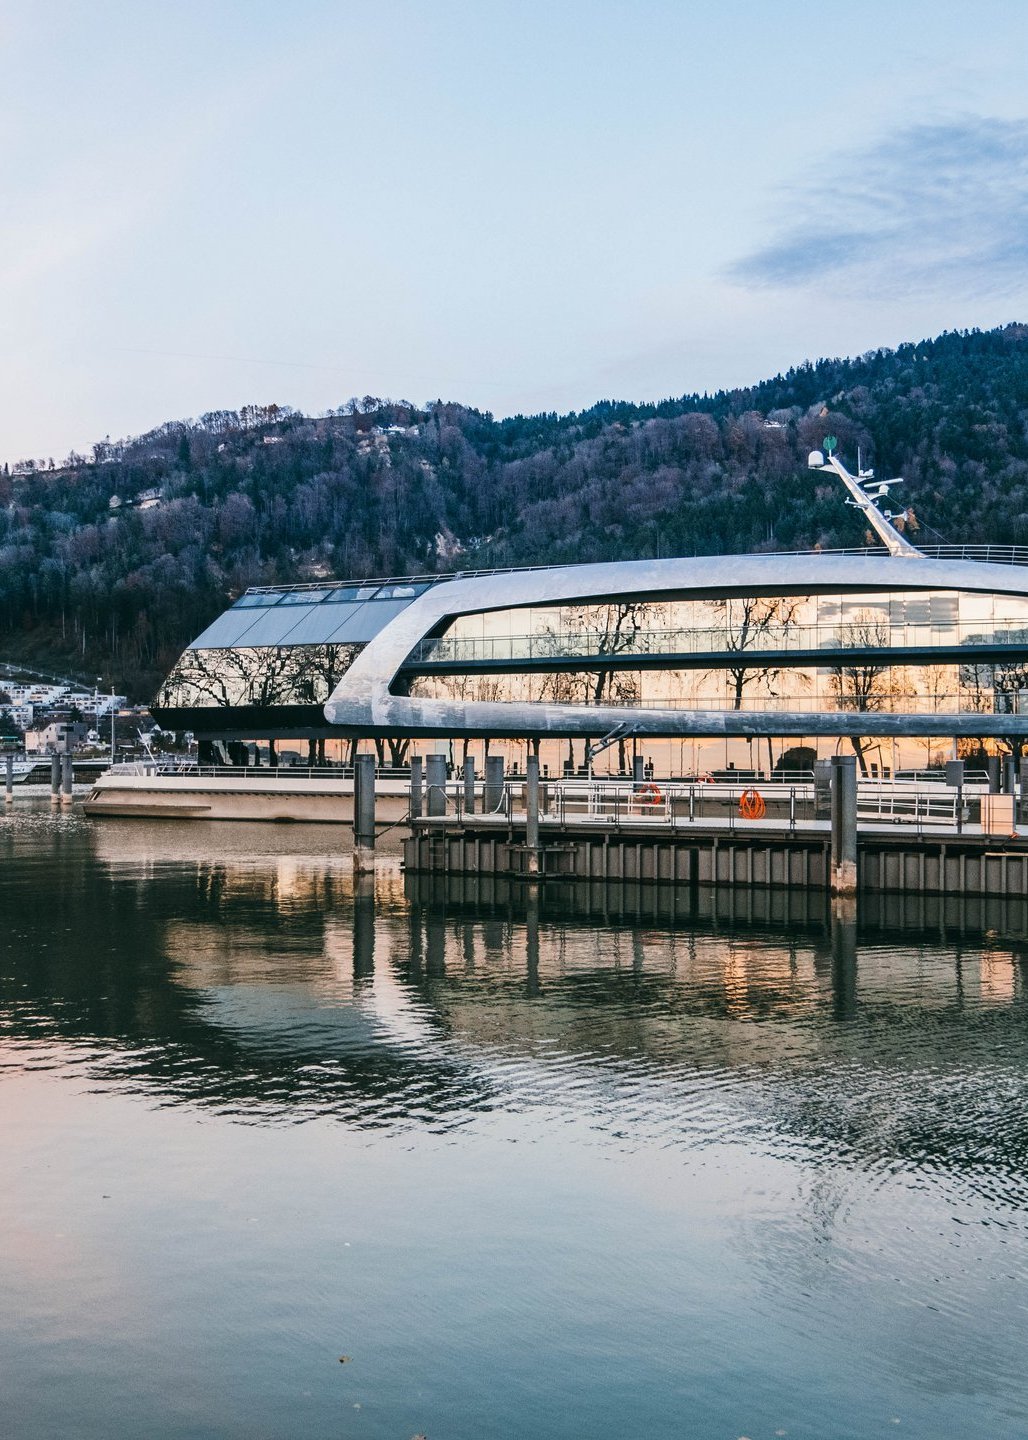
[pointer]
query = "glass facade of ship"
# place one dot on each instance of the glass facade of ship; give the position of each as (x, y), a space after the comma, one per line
(723, 652)
(849, 652)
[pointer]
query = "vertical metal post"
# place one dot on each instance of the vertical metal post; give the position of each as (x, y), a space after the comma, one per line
(638, 773)
(492, 795)
(9, 782)
(1023, 804)
(416, 796)
(844, 825)
(532, 813)
(469, 785)
(992, 770)
(114, 738)
(435, 778)
(364, 814)
(55, 779)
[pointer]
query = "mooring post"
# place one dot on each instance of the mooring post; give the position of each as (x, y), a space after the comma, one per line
(532, 813)
(416, 797)
(364, 814)
(435, 777)
(55, 779)
(638, 773)
(9, 782)
(492, 795)
(469, 785)
(844, 825)
(67, 778)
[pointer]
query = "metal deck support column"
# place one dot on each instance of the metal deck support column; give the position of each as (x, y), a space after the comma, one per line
(469, 785)
(364, 814)
(435, 777)
(844, 825)
(638, 773)
(417, 801)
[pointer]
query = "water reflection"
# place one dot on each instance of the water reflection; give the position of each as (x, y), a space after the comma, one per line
(737, 1158)
(270, 988)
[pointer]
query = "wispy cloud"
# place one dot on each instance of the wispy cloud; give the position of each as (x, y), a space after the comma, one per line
(930, 208)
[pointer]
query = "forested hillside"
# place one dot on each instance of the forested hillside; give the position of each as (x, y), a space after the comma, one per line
(100, 577)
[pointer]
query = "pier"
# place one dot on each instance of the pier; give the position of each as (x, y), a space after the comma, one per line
(833, 834)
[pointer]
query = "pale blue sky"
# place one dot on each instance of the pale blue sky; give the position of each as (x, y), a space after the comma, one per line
(521, 206)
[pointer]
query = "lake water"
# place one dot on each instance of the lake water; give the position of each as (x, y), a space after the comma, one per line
(606, 1163)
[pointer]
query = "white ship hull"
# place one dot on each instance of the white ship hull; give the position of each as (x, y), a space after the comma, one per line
(270, 795)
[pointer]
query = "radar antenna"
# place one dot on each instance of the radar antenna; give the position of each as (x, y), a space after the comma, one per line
(865, 490)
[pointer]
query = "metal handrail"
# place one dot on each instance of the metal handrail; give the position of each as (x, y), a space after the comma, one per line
(986, 552)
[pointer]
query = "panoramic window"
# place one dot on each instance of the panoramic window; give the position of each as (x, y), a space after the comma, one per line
(257, 676)
(869, 620)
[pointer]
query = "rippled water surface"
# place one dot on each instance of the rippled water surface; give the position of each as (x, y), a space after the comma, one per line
(608, 1162)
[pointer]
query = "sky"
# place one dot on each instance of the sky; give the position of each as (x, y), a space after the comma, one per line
(513, 204)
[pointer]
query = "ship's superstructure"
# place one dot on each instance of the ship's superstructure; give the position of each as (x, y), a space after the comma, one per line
(894, 644)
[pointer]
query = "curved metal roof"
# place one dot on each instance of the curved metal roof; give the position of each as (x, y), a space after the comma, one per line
(363, 698)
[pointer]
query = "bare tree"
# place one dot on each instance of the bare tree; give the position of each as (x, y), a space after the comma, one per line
(868, 685)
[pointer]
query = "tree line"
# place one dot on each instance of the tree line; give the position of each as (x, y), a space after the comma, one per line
(110, 563)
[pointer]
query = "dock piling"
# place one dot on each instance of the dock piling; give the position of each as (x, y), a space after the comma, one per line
(469, 785)
(55, 779)
(9, 781)
(435, 777)
(364, 814)
(417, 800)
(844, 825)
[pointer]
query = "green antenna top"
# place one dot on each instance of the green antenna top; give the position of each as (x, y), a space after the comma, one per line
(830, 442)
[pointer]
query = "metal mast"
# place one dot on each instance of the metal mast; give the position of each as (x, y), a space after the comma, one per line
(865, 491)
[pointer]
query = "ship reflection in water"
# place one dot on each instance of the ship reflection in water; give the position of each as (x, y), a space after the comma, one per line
(581, 1160)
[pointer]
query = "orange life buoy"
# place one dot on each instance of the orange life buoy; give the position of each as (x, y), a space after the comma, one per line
(751, 805)
(649, 794)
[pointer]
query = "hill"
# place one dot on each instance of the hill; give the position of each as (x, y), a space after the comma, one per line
(110, 563)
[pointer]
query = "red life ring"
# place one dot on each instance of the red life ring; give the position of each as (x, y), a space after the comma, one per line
(649, 794)
(751, 805)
